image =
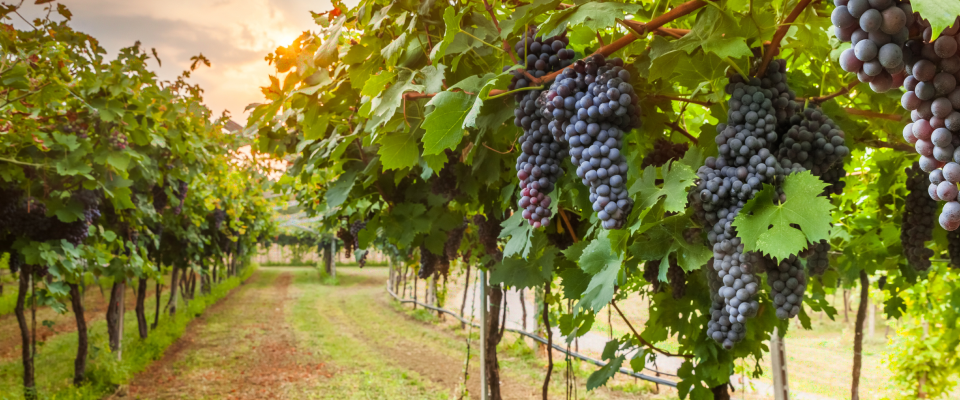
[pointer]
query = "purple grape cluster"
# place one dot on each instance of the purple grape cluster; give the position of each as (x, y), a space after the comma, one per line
(919, 215)
(538, 165)
(788, 282)
(878, 31)
(933, 98)
(591, 106)
(663, 151)
(541, 56)
(181, 193)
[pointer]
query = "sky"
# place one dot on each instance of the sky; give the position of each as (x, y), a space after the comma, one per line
(235, 35)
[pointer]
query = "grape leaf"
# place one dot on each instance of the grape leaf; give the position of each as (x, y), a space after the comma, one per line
(525, 14)
(594, 15)
(398, 150)
(327, 52)
(766, 227)
(393, 50)
(519, 232)
(339, 190)
(385, 106)
(601, 376)
(677, 177)
(433, 78)
(444, 125)
(941, 14)
(520, 273)
(600, 261)
(375, 85)
(574, 282)
(452, 21)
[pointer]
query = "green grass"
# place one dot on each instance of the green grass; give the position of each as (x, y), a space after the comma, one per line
(363, 373)
(54, 362)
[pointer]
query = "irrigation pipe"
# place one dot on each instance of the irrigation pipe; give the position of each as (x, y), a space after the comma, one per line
(544, 341)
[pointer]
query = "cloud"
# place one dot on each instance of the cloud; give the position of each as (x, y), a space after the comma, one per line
(234, 34)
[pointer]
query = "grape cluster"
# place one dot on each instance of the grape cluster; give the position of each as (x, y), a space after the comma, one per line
(933, 98)
(788, 282)
(538, 165)
(25, 216)
(160, 199)
(428, 263)
(663, 151)
(918, 218)
(677, 278)
(748, 148)
(347, 239)
(75, 232)
(953, 247)
(355, 229)
(451, 247)
(181, 194)
(445, 184)
(833, 178)
(812, 143)
(878, 31)
(651, 273)
(541, 56)
(488, 232)
(118, 140)
(818, 258)
(592, 105)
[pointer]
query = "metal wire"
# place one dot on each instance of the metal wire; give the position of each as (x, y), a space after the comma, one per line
(544, 341)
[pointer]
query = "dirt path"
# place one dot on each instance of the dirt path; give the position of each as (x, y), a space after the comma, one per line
(241, 348)
(284, 335)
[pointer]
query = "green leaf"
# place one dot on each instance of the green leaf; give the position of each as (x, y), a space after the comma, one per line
(385, 106)
(677, 177)
(327, 53)
(594, 15)
(314, 125)
(375, 85)
(941, 14)
(398, 150)
(444, 125)
(600, 377)
(393, 50)
(524, 15)
(433, 77)
(574, 283)
(519, 273)
(600, 261)
(764, 226)
(340, 190)
(519, 232)
(452, 21)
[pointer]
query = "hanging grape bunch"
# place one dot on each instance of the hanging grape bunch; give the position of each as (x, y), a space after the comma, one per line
(953, 247)
(663, 151)
(541, 56)
(355, 229)
(181, 194)
(347, 239)
(118, 140)
(747, 159)
(918, 218)
(160, 199)
(538, 165)
(428, 263)
(593, 105)
(877, 30)
(818, 258)
(677, 278)
(788, 282)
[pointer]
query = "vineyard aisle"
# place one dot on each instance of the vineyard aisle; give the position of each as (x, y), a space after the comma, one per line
(285, 335)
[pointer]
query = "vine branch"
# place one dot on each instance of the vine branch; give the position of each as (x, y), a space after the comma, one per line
(675, 127)
(873, 114)
(566, 221)
(641, 339)
(778, 36)
(681, 99)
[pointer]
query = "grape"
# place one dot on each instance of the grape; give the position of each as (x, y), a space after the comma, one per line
(445, 184)
(677, 278)
(159, 198)
(819, 258)
(347, 239)
(663, 151)
(428, 263)
(538, 165)
(918, 219)
(788, 282)
(651, 274)
(591, 106)
(355, 229)
(953, 247)
(878, 31)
